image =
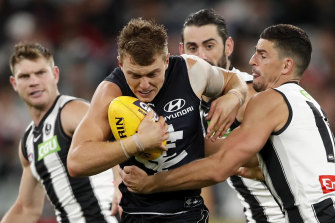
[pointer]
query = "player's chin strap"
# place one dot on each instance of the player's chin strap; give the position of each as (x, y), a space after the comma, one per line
(138, 142)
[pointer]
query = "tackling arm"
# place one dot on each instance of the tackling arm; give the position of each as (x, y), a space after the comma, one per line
(240, 145)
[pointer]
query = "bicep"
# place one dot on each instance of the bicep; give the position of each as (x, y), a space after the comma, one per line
(205, 79)
(71, 115)
(263, 114)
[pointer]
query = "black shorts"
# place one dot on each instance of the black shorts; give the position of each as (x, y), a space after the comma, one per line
(194, 216)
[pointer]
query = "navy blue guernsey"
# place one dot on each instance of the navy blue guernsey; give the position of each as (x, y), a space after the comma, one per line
(179, 105)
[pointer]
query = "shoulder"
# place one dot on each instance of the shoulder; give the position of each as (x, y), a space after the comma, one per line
(266, 100)
(75, 105)
(105, 92)
(269, 107)
(72, 113)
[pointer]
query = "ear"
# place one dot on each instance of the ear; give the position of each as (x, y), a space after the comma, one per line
(229, 46)
(288, 66)
(119, 61)
(55, 71)
(13, 82)
(167, 61)
(181, 48)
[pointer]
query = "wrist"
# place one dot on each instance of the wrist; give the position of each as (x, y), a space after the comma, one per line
(129, 147)
(238, 95)
(138, 142)
(150, 186)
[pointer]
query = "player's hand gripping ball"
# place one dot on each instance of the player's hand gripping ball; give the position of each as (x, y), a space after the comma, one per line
(125, 114)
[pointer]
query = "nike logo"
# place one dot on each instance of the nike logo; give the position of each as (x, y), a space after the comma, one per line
(36, 138)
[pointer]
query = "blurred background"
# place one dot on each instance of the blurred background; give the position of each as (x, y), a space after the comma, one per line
(82, 36)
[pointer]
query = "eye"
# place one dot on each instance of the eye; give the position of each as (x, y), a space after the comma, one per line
(41, 72)
(261, 55)
(210, 46)
(151, 75)
(135, 76)
(24, 76)
(191, 49)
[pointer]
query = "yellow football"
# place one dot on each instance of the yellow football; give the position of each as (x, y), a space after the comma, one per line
(125, 113)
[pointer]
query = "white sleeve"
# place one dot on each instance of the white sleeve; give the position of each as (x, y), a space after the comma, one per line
(205, 79)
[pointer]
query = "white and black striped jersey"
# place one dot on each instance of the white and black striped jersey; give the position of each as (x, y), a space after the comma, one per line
(259, 206)
(76, 200)
(298, 160)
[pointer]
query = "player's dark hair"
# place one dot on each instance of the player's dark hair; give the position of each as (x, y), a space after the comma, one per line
(206, 17)
(292, 42)
(142, 40)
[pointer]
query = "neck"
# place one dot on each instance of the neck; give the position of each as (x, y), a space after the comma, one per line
(38, 112)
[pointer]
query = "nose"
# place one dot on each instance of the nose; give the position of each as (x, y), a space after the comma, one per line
(33, 80)
(252, 60)
(144, 83)
(202, 53)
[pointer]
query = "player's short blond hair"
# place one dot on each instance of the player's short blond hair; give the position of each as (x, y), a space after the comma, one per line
(29, 51)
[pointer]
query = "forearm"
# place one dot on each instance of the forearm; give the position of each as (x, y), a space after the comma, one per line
(18, 213)
(182, 178)
(89, 158)
(235, 85)
(203, 172)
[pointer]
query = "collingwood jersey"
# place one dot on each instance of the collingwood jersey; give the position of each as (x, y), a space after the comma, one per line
(298, 161)
(179, 105)
(259, 206)
(76, 200)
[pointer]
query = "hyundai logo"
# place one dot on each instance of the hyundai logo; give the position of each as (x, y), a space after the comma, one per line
(174, 105)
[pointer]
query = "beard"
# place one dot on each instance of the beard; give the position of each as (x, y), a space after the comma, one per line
(258, 87)
(223, 62)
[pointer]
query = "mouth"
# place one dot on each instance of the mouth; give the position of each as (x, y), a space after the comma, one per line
(145, 94)
(255, 73)
(36, 94)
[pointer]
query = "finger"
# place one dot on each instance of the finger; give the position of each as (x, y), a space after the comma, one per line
(211, 127)
(161, 120)
(132, 190)
(211, 111)
(120, 210)
(163, 147)
(127, 169)
(150, 115)
(221, 131)
(120, 171)
(166, 128)
(115, 208)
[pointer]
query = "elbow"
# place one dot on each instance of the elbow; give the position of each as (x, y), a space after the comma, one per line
(220, 172)
(33, 212)
(73, 169)
(74, 166)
